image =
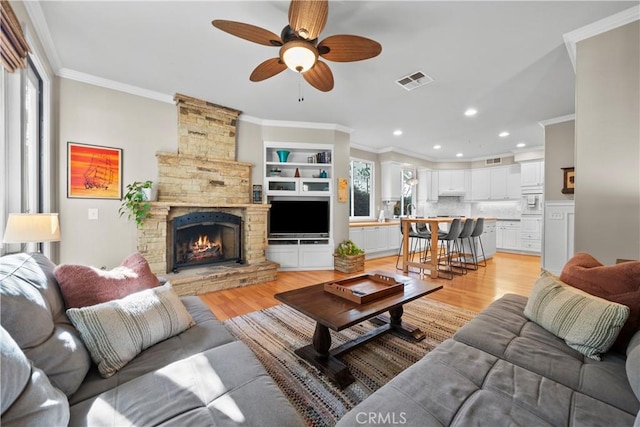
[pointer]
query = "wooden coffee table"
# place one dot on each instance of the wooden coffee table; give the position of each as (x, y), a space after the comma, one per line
(334, 312)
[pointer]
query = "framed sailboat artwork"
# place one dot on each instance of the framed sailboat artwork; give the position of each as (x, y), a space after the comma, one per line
(94, 172)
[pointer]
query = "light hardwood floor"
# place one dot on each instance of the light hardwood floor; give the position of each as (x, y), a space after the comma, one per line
(505, 273)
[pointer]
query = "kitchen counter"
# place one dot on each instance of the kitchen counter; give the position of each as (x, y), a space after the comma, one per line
(395, 222)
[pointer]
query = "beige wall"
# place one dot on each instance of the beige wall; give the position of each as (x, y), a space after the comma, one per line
(98, 116)
(607, 195)
(559, 148)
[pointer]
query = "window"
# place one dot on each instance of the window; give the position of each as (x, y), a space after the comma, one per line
(407, 203)
(361, 188)
(21, 147)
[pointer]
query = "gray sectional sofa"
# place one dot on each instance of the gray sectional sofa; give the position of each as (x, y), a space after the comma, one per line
(202, 376)
(503, 369)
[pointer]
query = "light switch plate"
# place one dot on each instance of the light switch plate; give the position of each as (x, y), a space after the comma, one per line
(93, 213)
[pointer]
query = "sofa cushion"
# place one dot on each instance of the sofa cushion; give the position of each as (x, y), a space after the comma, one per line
(208, 332)
(503, 331)
(82, 286)
(28, 398)
(633, 364)
(459, 385)
(225, 385)
(32, 312)
(587, 323)
(116, 331)
(619, 283)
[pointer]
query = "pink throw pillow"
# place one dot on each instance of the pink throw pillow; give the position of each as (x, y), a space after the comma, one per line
(82, 286)
(618, 283)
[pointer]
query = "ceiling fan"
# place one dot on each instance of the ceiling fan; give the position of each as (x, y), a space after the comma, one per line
(299, 46)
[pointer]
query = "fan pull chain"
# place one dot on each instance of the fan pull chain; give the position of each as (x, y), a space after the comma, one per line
(300, 96)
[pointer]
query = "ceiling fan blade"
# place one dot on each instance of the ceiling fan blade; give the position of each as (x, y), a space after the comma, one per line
(308, 17)
(348, 48)
(268, 68)
(320, 77)
(248, 32)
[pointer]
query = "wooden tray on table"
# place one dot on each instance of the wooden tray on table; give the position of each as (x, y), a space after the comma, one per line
(364, 288)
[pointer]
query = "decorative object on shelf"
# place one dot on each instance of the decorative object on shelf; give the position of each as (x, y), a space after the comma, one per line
(348, 258)
(343, 189)
(283, 155)
(323, 157)
(94, 172)
(134, 203)
(299, 46)
(275, 172)
(311, 159)
(257, 193)
(569, 180)
(297, 174)
(323, 174)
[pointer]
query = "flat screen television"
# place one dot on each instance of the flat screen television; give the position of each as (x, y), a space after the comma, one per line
(302, 218)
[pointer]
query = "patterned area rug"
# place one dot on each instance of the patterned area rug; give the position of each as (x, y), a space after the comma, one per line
(274, 333)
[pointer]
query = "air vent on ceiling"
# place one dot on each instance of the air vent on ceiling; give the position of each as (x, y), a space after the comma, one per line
(414, 80)
(495, 161)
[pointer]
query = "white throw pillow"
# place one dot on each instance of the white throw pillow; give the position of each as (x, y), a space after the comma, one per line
(117, 331)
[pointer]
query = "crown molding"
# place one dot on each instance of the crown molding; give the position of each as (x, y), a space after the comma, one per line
(556, 120)
(111, 84)
(292, 124)
(44, 35)
(598, 27)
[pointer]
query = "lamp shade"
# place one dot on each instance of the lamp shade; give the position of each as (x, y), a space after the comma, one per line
(32, 228)
(299, 55)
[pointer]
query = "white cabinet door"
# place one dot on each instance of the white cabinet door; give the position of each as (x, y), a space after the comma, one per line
(356, 235)
(532, 174)
(375, 239)
(450, 181)
(514, 182)
(499, 183)
(285, 255)
(316, 256)
(467, 186)
(480, 184)
(489, 239)
(394, 237)
(391, 181)
(424, 185)
(435, 180)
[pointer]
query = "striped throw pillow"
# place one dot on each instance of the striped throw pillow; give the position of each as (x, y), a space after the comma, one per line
(116, 331)
(587, 323)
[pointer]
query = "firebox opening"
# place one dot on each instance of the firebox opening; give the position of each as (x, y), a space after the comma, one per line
(206, 238)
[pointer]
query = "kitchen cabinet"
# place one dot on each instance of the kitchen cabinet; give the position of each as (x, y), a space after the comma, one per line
(427, 190)
(481, 184)
(377, 240)
(451, 182)
(508, 235)
(391, 181)
(532, 175)
(505, 183)
(531, 234)
(488, 240)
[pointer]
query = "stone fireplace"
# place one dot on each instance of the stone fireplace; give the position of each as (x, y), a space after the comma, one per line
(204, 181)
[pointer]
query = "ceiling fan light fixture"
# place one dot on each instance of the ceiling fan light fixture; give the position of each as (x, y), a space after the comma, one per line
(298, 55)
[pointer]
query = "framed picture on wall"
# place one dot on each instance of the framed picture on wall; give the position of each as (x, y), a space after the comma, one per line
(93, 171)
(569, 181)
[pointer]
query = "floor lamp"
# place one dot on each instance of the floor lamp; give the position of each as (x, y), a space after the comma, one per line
(32, 228)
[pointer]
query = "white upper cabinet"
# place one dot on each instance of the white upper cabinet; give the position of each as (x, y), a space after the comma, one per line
(481, 184)
(451, 182)
(391, 181)
(427, 186)
(513, 182)
(532, 174)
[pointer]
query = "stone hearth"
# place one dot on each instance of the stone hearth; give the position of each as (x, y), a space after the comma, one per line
(202, 176)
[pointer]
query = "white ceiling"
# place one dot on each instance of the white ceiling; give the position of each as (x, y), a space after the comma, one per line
(506, 59)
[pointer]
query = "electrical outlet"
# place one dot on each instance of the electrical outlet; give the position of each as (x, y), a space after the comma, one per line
(556, 215)
(93, 214)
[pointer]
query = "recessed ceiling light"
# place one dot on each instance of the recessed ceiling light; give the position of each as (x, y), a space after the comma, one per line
(397, 132)
(437, 147)
(503, 134)
(471, 112)
(459, 155)
(520, 145)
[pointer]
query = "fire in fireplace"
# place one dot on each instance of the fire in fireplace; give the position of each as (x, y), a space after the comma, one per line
(206, 238)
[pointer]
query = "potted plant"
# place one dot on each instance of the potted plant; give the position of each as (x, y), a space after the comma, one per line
(135, 202)
(348, 258)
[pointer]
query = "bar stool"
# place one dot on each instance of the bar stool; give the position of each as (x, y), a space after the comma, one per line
(465, 234)
(477, 232)
(450, 245)
(412, 235)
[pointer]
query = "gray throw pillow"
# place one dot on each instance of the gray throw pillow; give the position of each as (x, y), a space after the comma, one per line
(587, 323)
(116, 331)
(28, 398)
(33, 313)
